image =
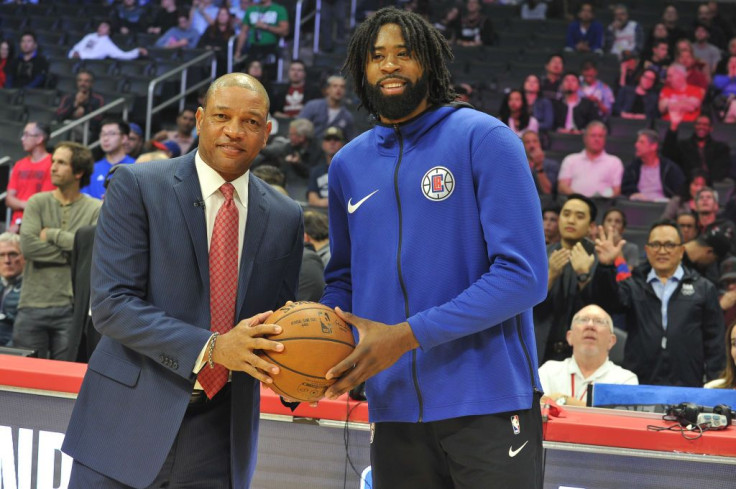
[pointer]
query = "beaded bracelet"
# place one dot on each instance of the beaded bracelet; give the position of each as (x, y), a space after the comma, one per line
(211, 349)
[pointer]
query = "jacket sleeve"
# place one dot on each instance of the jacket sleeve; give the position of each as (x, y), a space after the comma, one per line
(604, 291)
(338, 278)
(630, 180)
(121, 309)
(517, 277)
(670, 147)
(33, 247)
(721, 164)
(713, 333)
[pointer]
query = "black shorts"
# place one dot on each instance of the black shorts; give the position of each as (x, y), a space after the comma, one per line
(499, 451)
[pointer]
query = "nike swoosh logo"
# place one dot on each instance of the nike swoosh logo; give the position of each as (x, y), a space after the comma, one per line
(514, 453)
(354, 207)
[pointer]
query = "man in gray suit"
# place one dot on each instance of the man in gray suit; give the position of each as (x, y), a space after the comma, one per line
(142, 418)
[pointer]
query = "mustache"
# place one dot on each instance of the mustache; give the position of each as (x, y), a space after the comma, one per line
(393, 77)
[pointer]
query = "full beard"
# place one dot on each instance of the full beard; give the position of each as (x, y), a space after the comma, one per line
(394, 107)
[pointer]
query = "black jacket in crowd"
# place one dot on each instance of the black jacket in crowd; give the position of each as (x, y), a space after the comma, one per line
(692, 347)
(669, 173)
(686, 154)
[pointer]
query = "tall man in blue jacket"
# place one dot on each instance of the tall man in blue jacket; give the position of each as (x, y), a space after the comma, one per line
(142, 418)
(439, 277)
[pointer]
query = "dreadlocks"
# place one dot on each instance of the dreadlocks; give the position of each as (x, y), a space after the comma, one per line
(423, 41)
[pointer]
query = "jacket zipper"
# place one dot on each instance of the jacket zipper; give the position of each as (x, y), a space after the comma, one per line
(401, 277)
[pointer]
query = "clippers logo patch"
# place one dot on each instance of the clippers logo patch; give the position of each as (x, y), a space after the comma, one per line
(515, 425)
(438, 183)
(688, 289)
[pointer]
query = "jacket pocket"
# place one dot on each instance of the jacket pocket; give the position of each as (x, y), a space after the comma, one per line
(115, 368)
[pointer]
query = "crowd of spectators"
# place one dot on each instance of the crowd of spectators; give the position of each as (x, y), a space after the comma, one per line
(619, 114)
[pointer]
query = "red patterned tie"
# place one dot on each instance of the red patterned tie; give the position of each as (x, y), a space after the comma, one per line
(223, 283)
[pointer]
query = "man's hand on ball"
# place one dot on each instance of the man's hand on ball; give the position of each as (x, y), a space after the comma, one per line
(380, 346)
(235, 349)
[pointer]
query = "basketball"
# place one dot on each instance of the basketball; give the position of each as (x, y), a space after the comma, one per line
(315, 339)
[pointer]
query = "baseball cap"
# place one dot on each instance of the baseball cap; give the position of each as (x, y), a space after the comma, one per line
(728, 269)
(135, 128)
(717, 237)
(334, 133)
(170, 147)
(627, 55)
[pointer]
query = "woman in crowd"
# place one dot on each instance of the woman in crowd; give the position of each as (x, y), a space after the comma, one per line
(514, 112)
(614, 221)
(216, 37)
(6, 54)
(541, 108)
(685, 202)
(639, 102)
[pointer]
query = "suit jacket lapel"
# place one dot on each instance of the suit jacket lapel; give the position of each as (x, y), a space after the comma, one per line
(255, 227)
(189, 195)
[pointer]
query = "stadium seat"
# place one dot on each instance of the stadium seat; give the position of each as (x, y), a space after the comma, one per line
(641, 214)
(40, 96)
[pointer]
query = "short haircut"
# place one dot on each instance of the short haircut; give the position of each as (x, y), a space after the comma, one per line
(665, 222)
(651, 135)
(316, 225)
(270, 174)
(187, 109)
(298, 61)
(609, 321)
(86, 72)
(555, 55)
(657, 42)
(303, 127)
(615, 209)
(241, 80)
(593, 124)
(29, 33)
(707, 116)
(82, 161)
(713, 191)
(43, 128)
(123, 126)
(620, 6)
(679, 68)
(553, 207)
(571, 73)
(333, 78)
(11, 238)
(588, 64)
(592, 209)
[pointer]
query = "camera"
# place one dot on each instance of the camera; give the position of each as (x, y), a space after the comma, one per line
(687, 413)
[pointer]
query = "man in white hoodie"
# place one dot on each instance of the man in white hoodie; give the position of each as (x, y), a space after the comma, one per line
(98, 45)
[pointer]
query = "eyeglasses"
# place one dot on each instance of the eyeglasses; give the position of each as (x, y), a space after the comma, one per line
(29, 135)
(668, 246)
(109, 134)
(589, 319)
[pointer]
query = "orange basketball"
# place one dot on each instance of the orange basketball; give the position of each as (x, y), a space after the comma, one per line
(315, 339)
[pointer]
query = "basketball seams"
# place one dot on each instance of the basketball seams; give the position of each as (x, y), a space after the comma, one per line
(310, 338)
(289, 368)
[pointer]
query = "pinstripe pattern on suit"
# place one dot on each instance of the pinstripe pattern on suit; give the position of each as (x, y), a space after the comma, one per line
(150, 299)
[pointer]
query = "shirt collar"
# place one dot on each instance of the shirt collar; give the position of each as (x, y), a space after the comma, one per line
(677, 276)
(210, 181)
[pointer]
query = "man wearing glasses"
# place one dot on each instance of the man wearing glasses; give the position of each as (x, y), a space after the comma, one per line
(674, 321)
(591, 338)
(31, 174)
(113, 137)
